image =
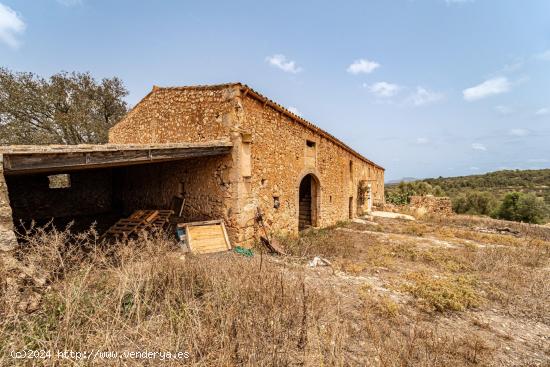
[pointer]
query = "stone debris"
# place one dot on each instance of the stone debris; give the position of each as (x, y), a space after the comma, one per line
(319, 261)
(502, 230)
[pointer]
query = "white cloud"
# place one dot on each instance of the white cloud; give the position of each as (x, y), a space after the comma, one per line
(295, 111)
(458, 1)
(11, 24)
(487, 88)
(518, 132)
(543, 111)
(424, 96)
(474, 168)
(422, 140)
(545, 56)
(280, 61)
(362, 66)
(504, 110)
(479, 146)
(538, 160)
(384, 89)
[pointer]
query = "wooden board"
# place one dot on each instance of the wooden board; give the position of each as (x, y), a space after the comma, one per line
(206, 237)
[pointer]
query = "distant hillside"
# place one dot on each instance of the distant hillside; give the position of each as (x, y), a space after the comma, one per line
(499, 183)
(520, 195)
(404, 179)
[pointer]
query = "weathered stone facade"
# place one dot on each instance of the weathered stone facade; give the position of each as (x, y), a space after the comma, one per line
(273, 150)
(431, 204)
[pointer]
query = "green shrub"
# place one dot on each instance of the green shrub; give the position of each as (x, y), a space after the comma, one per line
(522, 207)
(401, 194)
(475, 202)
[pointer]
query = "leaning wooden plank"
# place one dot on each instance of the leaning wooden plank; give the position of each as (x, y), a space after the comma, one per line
(201, 223)
(206, 237)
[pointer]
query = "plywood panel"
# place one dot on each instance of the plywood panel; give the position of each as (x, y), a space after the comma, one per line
(207, 237)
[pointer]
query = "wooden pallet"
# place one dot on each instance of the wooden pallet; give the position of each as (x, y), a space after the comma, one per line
(138, 221)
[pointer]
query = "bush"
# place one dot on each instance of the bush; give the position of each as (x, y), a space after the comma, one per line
(522, 207)
(475, 202)
(401, 194)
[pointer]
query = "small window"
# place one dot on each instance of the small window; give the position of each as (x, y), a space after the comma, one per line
(330, 199)
(276, 202)
(181, 189)
(310, 144)
(62, 181)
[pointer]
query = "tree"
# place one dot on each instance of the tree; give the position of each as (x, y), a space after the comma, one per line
(401, 194)
(474, 202)
(68, 108)
(522, 207)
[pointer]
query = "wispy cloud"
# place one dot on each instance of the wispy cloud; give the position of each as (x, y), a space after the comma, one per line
(384, 89)
(474, 168)
(279, 61)
(11, 25)
(545, 56)
(479, 146)
(542, 111)
(504, 110)
(362, 66)
(423, 96)
(295, 111)
(487, 88)
(422, 141)
(518, 132)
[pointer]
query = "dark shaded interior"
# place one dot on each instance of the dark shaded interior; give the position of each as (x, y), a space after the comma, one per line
(103, 196)
(305, 219)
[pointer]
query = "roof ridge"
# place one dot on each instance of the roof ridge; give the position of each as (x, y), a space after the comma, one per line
(296, 118)
(310, 125)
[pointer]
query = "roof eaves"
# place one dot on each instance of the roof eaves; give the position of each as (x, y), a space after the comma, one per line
(305, 123)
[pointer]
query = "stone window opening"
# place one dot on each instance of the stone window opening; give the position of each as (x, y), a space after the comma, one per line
(61, 181)
(310, 153)
(276, 202)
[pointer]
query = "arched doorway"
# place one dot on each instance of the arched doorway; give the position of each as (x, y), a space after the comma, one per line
(308, 202)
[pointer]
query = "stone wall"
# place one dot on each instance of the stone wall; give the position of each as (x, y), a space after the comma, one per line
(7, 236)
(172, 115)
(90, 193)
(270, 155)
(432, 204)
(281, 157)
(203, 182)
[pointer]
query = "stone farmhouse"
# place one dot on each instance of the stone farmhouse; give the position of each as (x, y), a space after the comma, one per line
(230, 152)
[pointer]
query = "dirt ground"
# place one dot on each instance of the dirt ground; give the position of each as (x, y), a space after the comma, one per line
(466, 290)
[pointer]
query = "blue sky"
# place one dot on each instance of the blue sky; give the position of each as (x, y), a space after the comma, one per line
(425, 88)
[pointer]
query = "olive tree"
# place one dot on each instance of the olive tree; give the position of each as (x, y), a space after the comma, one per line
(67, 108)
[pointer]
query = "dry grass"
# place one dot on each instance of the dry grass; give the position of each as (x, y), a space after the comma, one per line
(395, 297)
(223, 310)
(455, 293)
